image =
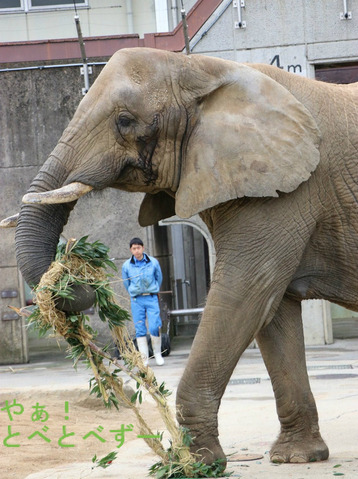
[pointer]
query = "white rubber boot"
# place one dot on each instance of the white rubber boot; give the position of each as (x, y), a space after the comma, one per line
(143, 349)
(157, 349)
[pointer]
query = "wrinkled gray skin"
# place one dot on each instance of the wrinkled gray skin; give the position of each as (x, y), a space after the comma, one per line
(269, 160)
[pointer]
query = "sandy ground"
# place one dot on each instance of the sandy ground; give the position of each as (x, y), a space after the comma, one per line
(247, 420)
(85, 415)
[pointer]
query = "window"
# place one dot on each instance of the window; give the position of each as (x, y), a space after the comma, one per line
(27, 5)
(338, 73)
(10, 4)
(54, 3)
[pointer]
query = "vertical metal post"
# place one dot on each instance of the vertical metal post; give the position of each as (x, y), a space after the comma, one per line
(239, 4)
(85, 67)
(345, 15)
(185, 29)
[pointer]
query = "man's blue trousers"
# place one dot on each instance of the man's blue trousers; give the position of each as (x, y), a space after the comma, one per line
(146, 307)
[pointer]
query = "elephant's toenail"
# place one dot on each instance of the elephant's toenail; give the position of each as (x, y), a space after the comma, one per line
(297, 459)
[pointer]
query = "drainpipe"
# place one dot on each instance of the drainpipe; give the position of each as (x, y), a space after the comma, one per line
(175, 17)
(161, 16)
(129, 8)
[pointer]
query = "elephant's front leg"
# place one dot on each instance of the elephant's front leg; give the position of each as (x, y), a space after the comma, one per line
(282, 347)
(225, 331)
(257, 257)
(208, 371)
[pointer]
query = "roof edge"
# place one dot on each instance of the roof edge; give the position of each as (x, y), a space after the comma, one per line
(105, 46)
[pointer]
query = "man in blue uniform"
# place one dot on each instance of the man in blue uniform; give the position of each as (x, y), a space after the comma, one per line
(142, 278)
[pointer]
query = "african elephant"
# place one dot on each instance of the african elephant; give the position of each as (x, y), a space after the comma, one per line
(269, 160)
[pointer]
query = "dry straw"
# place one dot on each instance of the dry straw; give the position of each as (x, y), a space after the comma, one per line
(72, 267)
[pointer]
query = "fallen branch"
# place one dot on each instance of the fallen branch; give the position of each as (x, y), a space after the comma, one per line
(80, 262)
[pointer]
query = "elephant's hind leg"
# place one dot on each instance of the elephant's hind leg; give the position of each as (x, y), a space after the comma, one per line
(282, 347)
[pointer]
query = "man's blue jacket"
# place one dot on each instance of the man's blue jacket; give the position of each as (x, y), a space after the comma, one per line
(143, 276)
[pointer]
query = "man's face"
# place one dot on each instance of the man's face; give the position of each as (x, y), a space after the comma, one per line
(137, 251)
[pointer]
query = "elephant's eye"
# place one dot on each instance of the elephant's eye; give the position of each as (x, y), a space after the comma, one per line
(124, 122)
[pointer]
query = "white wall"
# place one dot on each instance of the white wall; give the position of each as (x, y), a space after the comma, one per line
(100, 18)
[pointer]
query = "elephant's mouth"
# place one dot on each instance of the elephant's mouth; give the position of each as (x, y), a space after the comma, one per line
(145, 162)
(138, 173)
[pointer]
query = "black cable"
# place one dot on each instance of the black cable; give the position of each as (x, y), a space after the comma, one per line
(74, 4)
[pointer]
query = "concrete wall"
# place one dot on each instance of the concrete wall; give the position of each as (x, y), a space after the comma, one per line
(295, 35)
(35, 107)
(300, 32)
(36, 104)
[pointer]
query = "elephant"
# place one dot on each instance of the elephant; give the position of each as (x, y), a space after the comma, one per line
(269, 161)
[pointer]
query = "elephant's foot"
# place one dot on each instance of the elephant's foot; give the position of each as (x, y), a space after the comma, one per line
(306, 448)
(208, 450)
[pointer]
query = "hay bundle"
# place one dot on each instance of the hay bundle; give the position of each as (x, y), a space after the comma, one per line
(83, 263)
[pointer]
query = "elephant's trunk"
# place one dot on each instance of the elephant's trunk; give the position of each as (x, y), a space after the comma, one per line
(40, 226)
(38, 232)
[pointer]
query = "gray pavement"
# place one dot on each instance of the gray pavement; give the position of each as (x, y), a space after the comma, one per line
(248, 422)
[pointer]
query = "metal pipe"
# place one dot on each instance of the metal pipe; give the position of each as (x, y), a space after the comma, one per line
(185, 312)
(240, 4)
(174, 9)
(346, 14)
(345, 8)
(200, 34)
(80, 39)
(130, 23)
(185, 30)
(83, 54)
(44, 67)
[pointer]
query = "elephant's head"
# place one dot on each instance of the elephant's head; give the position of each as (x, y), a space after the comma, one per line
(190, 131)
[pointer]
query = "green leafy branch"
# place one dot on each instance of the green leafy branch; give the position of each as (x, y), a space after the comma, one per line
(106, 461)
(83, 263)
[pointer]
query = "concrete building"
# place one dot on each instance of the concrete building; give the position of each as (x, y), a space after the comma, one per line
(41, 83)
(32, 20)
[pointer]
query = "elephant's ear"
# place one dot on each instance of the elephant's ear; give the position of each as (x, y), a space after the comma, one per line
(252, 138)
(155, 208)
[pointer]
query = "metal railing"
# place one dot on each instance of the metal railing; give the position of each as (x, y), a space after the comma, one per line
(185, 312)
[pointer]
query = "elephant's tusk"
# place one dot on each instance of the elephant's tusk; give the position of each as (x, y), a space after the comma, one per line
(10, 222)
(66, 194)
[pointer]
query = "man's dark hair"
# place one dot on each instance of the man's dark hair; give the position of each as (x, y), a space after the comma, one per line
(135, 241)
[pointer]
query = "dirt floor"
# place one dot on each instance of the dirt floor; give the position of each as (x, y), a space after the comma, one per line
(55, 414)
(248, 421)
